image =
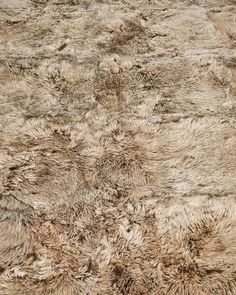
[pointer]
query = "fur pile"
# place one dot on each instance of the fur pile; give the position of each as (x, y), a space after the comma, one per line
(117, 147)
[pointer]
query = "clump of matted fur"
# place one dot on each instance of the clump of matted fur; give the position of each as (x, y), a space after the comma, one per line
(117, 156)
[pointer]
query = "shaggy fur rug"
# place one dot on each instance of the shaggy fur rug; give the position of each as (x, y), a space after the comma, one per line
(117, 155)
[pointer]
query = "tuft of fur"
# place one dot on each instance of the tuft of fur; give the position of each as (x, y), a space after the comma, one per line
(117, 154)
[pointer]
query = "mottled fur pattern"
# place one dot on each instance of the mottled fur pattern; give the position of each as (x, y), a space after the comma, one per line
(117, 156)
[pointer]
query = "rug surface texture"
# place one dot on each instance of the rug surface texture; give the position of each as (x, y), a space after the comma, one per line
(117, 147)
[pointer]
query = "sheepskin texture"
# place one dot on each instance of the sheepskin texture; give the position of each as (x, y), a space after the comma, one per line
(118, 147)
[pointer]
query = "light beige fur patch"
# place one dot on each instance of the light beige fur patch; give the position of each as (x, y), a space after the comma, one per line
(117, 147)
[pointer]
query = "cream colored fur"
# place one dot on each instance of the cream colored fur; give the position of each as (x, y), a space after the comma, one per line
(117, 147)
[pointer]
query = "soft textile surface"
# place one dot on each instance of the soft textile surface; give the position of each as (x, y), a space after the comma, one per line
(118, 147)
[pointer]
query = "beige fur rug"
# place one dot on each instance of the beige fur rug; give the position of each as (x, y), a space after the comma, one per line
(117, 147)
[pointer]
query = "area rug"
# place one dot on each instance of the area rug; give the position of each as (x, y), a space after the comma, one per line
(117, 147)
